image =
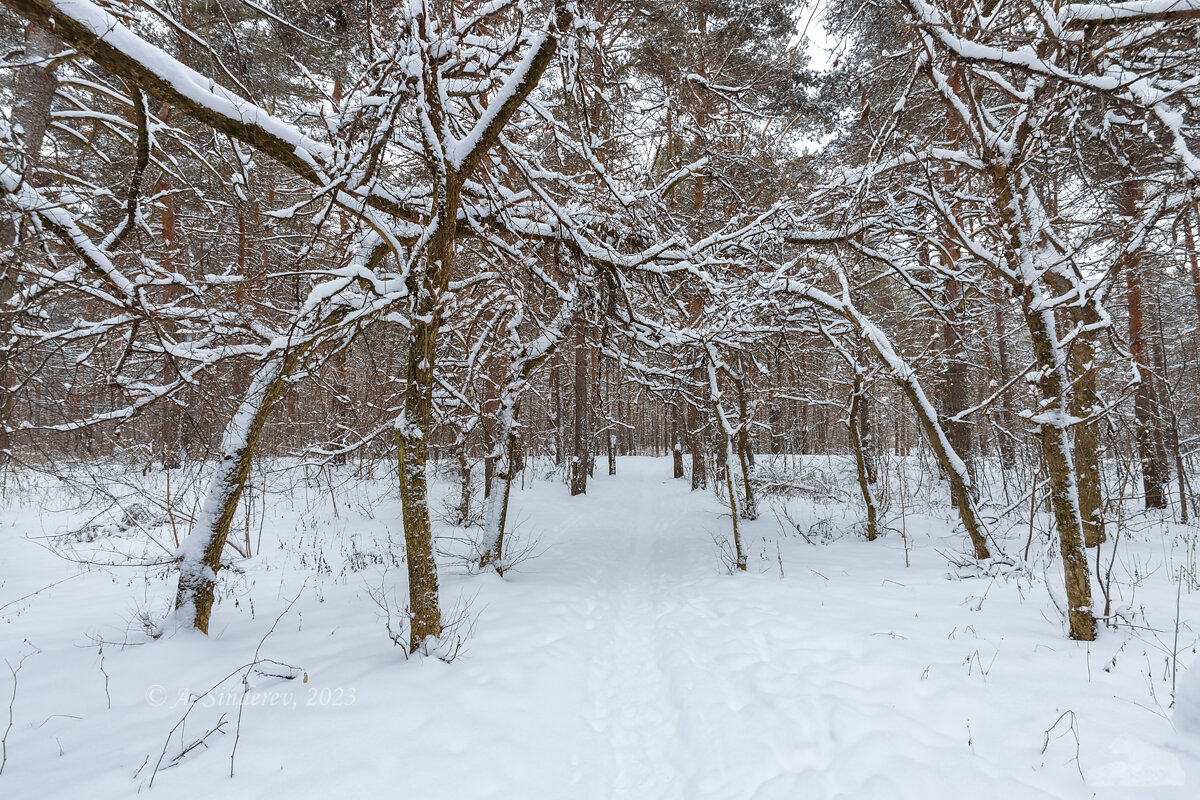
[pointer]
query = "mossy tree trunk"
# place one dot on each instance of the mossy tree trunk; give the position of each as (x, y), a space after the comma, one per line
(1053, 417)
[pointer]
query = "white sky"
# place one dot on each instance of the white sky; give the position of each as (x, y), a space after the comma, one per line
(810, 31)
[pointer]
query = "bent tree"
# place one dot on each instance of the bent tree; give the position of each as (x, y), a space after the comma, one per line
(425, 82)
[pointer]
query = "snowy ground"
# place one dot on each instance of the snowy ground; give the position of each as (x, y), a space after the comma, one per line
(621, 662)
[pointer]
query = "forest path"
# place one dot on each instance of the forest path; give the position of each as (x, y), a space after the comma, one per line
(639, 557)
(675, 714)
(694, 683)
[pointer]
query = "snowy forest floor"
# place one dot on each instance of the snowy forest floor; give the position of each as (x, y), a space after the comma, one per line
(622, 661)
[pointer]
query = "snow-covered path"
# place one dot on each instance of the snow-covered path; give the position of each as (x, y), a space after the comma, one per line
(702, 684)
(623, 662)
(627, 686)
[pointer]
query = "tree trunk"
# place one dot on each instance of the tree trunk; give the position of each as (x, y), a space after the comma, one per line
(200, 554)
(509, 459)
(415, 426)
(1008, 450)
(579, 469)
(745, 454)
(866, 438)
(34, 95)
(1189, 240)
(502, 478)
(1086, 403)
(861, 442)
(412, 444)
(954, 467)
(957, 393)
(1054, 416)
(556, 419)
(676, 443)
(696, 445)
(1064, 494)
(725, 448)
(1145, 401)
(462, 512)
(739, 551)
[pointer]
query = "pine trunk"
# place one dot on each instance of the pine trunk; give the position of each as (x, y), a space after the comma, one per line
(579, 455)
(36, 84)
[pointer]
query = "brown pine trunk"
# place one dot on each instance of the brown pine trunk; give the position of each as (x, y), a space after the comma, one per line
(1169, 421)
(36, 84)
(804, 446)
(956, 395)
(579, 454)
(1145, 400)
(1189, 240)
(775, 415)
(594, 408)
(610, 422)
(696, 445)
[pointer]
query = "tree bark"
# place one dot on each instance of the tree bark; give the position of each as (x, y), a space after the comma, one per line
(579, 447)
(1008, 450)
(36, 84)
(1064, 494)
(696, 445)
(1145, 400)
(556, 419)
(957, 393)
(522, 366)
(200, 554)
(1189, 239)
(676, 442)
(1054, 417)
(861, 441)
(745, 454)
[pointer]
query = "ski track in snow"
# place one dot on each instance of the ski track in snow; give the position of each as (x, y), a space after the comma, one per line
(620, 663)
(627, 685)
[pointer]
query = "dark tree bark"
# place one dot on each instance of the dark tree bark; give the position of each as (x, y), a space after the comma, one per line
(556, 414)
(1145, 401)
(36, 84)
(860, 440)
(957, 392)
(579, 445)
(676, 442)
